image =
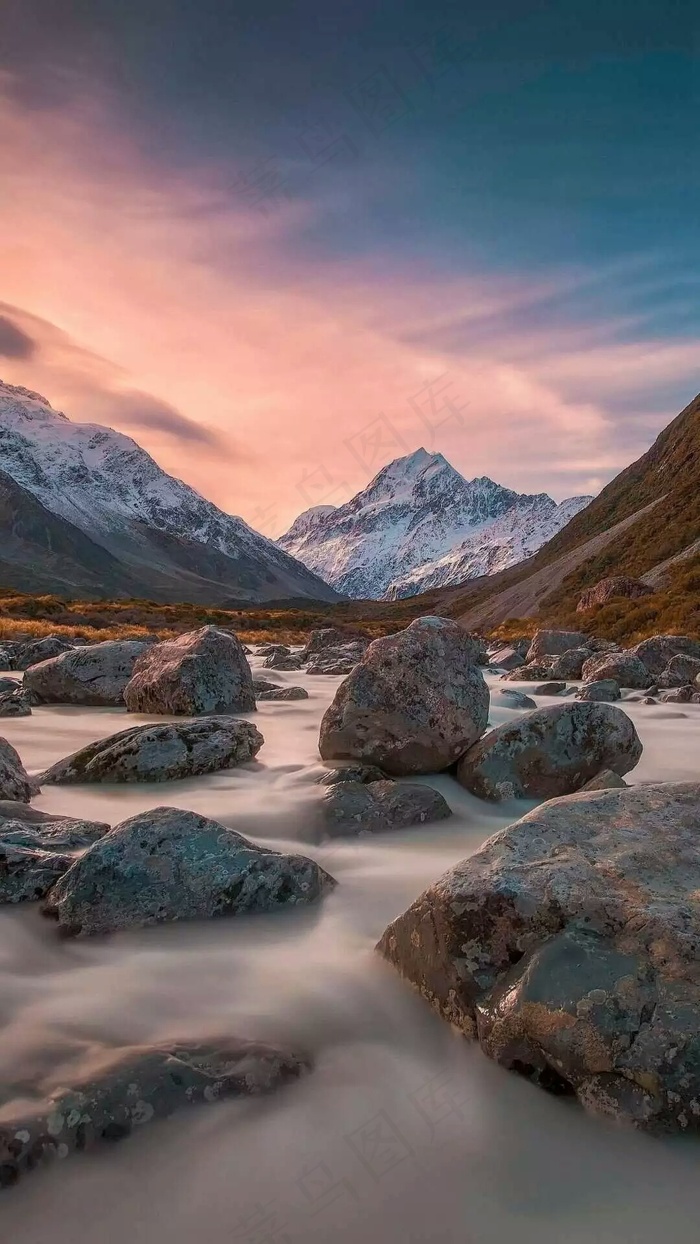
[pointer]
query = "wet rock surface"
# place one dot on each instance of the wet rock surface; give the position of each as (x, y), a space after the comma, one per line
(550, 752)
(283, 693)
(203, 671)
(351, 808)
(507, 698)
(570, 664)
(415, 702)
(160, 752)
(604, 690)
(168, 864)
(569, 946)
(92, 675)
(14, 779)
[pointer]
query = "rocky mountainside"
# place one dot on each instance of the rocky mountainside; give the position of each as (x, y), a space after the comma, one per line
(644, 524)
(86, 510)
(419, 524)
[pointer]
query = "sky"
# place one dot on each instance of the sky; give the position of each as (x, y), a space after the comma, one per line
(281, 243)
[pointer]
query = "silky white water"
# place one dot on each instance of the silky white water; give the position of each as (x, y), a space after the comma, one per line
(403, 1132)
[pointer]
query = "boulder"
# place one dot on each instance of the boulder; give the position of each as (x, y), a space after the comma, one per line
(202, 671)
(689, 694)
(680, 671)
(529, 673)
(605, 690)
(415, 702)
(332, 637)
(569, 946)
(507, 698)
(159, 753)
(607, 780)
(264, 684)
(282, 661)
(609, 589)
(94, 675)
(15, 704)
(554, 643)
(506, 659)
(284, 693)
(168, 864)
(39, 650)
(570, 663)
(9, 684)
(657, 651)
(132, 1086)
(352, 773)
(549, 688)
(550, 752)
(624, 668)
(268, 650)
(351, 808)
(14, 779)
(35, 853)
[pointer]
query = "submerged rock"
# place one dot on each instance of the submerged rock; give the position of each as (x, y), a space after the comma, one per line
(168, 864)
(550, 752)
(284, 693)
(506, 698)
(569, 946)
(415, 702)
(203, 671)
(14, 779)
(134, 1086)
(160, 752)
(93, 675)
(351, 808)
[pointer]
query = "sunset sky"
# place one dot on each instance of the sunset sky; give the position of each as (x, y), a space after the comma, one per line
(282, 242)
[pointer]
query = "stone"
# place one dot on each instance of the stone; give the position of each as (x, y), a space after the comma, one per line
(554, 643)
(15, 704)
(133, 1086)
(336, 660)
(332, 637)
(680, 671)
(202, 671)
(284, 693)
(34, 855)
(94, 675)
(264, 684)
(9, 684)
(657, 651)
(604, 690)
(39, 650)
(550, 752)
(624, 667)
(351, 808)
(506, 659)
(570, 663)
(690, 694)
(352, 773)
(549, 688)
(569, 946)
(266, 650)
(606, 780)
(528, 673)
(168, 864)
(160, 752)
(507, 698)
(14, 779)
(282, 661)
(609, 589)
(414, 703)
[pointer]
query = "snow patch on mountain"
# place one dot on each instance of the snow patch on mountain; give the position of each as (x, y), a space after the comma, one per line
(419, 524)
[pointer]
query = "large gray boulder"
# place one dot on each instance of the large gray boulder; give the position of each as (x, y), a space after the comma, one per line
(570, 663)
(39, 650)
(352, 808)
(94, 675)
(14, 779)
(554, 643)
(203, 671)
(680, 671)
(159, 753)
(569, 946)
(657, 651)
(35, 852)
(414, 703)
(132, 1086)
(168, 864)
(624, 667)
(550, 752)
(603, 691)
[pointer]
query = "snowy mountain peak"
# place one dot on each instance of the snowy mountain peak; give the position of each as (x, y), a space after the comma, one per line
(419, 523)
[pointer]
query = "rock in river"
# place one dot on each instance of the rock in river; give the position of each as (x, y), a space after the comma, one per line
(160, 752)
(624, 667)
(203, 671)
(94, 675)
(35, 853)
(351, 808)
(14, 779)
(550, 752)
(133, 1086)
(554, 643)
(569, 946)
(168, 864)
(414, 703)
(658, 650)
(603, 690)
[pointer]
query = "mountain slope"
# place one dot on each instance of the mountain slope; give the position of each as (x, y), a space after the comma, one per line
(646, 523)
(158, 537)
(420, 524)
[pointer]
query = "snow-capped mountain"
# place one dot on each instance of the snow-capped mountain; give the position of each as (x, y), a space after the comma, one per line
(124, 524)
(419, 524)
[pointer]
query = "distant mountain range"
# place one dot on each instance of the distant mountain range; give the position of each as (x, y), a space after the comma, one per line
(86, 512)
(418, 525)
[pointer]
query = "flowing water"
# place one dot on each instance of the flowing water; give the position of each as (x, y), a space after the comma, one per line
(403, 1132)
